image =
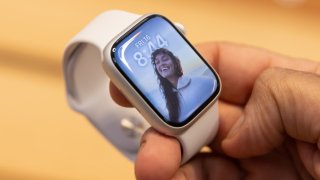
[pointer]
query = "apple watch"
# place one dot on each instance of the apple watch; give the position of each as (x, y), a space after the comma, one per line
(156, 68)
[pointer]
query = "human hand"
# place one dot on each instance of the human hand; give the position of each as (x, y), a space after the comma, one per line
(269, 121)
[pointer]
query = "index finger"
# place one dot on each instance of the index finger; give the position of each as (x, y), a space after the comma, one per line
(239, 66)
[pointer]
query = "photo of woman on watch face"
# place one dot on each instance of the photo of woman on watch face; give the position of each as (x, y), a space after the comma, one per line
(183, 94)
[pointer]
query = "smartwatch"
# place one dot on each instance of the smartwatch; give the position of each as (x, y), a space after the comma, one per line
(156, 68)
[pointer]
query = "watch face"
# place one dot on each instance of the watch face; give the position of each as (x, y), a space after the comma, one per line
(167, 72)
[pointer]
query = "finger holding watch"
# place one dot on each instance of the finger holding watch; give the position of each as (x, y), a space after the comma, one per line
(254, 62)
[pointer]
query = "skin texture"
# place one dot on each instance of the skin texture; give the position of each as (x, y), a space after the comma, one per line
(269, 121)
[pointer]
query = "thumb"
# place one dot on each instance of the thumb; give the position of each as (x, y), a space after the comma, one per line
(283, 103)
(159, 156)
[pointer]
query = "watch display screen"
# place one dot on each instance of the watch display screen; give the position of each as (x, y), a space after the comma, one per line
(167, 72)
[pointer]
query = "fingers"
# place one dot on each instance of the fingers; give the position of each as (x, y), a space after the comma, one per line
(118, 97)
(283, 103)
(275, 165)
(228, 116)
(159, 156)
(208, 166)
(310, 157)
(239, 66)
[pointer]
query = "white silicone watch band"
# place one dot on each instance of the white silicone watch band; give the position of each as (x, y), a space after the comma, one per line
(88, 90)
(88, 85)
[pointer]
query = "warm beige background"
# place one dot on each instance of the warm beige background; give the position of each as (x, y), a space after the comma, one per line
(41, 138)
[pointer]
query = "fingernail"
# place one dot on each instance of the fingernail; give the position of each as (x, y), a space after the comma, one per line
(143, 139)
(235, 129)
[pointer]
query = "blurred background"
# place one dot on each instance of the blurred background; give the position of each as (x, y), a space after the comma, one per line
(42, 138)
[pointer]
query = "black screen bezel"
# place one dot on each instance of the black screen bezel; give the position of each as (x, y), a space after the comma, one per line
(202, 106)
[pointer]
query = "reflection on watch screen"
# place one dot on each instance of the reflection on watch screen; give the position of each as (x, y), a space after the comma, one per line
(166, 70)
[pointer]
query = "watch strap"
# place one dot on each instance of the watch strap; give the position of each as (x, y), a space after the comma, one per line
(88, 90)
(200, 133)
(88, 86)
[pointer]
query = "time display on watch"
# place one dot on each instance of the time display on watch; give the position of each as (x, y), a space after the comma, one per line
(163, 67)
(148, 45)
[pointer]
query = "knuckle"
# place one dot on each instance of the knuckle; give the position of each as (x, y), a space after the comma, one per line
(271, 81)
(265, 108)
